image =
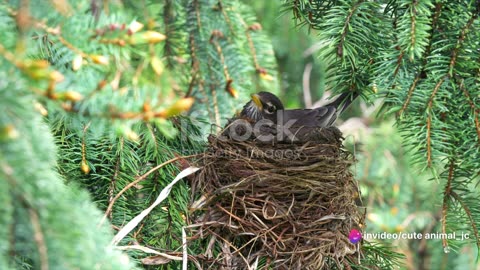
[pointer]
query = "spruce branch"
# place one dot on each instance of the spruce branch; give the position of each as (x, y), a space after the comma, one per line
(469, 214)
(196, 6)
(113, 181)
(421, 74)
(139, 179)
(221, 8)
(413, 14)
(439, 83)
(39, 239)
(475, 110)
(215, 36)
(446, 197)
(410, 94)
(347, 26)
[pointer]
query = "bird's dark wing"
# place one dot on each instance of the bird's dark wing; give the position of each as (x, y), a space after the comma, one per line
(318, 117)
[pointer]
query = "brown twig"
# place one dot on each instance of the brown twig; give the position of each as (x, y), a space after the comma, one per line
(345, 28)
(421, 73)
(226, 17)
(413, 25)
(39, 239)
(446, 195)
(217, 34)
(409, 94)
(469, 215)
(197, 13)
(111, 190)
(474, 109)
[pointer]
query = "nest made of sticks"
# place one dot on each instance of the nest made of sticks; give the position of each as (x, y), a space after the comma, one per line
(291, 205)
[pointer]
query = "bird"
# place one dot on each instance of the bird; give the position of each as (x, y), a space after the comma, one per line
(267, 106)
(264, 118)
(263, 105)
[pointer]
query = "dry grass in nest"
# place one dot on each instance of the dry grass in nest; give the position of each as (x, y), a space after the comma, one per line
(289, 204)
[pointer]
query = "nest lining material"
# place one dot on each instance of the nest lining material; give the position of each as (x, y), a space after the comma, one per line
(291, 203)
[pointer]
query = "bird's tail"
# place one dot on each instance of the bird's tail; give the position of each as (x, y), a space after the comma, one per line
(343, 101)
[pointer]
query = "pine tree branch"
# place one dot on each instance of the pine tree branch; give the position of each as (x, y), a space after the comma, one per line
(251, 46)
(194, 72)
(113, 181)
(226, 18)
(469, 215)
(39, 239)
(215, 107)
(346, 27)
(399, 63)
(452, 63)
(474, 109)
(413, 14)
(217, 34)
(196, 5)
(139, 179)
(409, 94)
(38, 235)
(461, 39)
(429, 120)
(421, 73)
(446, 196)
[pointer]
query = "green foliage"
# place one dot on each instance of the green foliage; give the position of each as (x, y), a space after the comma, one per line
(294, 48)
(230, 56)
(112, 77)
(45, 225)
(377, 256)
(111, 88)
(423, 56)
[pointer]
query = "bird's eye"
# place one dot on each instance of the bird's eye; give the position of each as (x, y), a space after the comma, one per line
(270, 109)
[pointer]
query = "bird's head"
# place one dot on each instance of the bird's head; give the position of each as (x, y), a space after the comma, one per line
(263, 105)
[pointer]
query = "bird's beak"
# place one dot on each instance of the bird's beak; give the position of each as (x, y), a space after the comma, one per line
(257, 101)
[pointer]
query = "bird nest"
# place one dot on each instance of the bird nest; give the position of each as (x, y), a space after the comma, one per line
(283, 205)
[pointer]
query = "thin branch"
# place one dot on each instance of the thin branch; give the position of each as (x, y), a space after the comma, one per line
(39, 239)
(412, 28)
(421, 73)
(346, 27)
(409, 94)
(429, 139)
(460, 41)
(469, 215)
(449, 74)
(111, 189)
(215, 36)
(446, 196)
(251, 46)
(197, 13)
(475, 110)
(399, 64)
(226, 17)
